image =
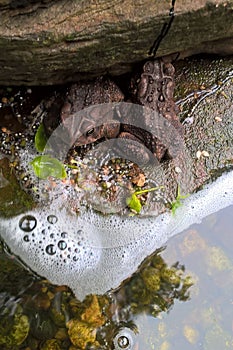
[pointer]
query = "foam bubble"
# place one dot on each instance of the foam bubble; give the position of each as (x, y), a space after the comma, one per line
(92, 253)
(124, 339)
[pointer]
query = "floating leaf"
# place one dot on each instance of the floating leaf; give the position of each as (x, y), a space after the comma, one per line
(134, 203)
(45, 166)
(40, 138)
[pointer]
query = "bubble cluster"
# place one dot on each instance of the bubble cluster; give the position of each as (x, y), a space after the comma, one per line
(92, 253)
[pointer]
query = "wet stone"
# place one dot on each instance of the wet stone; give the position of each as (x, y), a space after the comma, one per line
(27, 223)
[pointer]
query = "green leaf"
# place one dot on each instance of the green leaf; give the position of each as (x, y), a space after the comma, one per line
(177, 203)
(148, 190)
(40, 139)
(45, 166)
(134, 203)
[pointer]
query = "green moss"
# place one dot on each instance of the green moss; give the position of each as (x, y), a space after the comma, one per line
(14, 331)
(51, 344)
(71, 37)
(80, 333)
(171, 276)
(13, 200)
(151, 278)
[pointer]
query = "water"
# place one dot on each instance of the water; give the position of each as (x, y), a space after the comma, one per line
(170, 314)
(179, 298)
(205, 321)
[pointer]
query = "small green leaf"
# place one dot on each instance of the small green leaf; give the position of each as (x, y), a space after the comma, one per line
(40, 139)
(134, 203)
(148, 190)
(45, 166)
(177, 203)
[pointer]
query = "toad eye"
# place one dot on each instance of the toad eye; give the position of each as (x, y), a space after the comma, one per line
(90, 132)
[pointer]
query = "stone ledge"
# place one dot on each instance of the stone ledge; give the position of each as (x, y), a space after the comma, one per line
(53, 42)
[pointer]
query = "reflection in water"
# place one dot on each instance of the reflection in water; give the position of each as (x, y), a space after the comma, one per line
(146, 312)
(40, 311)
(205, 321)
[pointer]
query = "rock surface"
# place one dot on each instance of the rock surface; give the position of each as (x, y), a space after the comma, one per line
(205, 91)
(53, 42)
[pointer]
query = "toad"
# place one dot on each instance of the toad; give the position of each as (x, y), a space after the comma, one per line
(146, 132)
(162, 131)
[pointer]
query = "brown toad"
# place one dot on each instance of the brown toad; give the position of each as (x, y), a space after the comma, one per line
(154, 89)
(158, 131)
(151, 131)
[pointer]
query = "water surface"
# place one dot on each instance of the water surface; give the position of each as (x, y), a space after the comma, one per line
(164, 317)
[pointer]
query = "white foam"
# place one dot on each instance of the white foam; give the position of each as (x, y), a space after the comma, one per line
(96, 253)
